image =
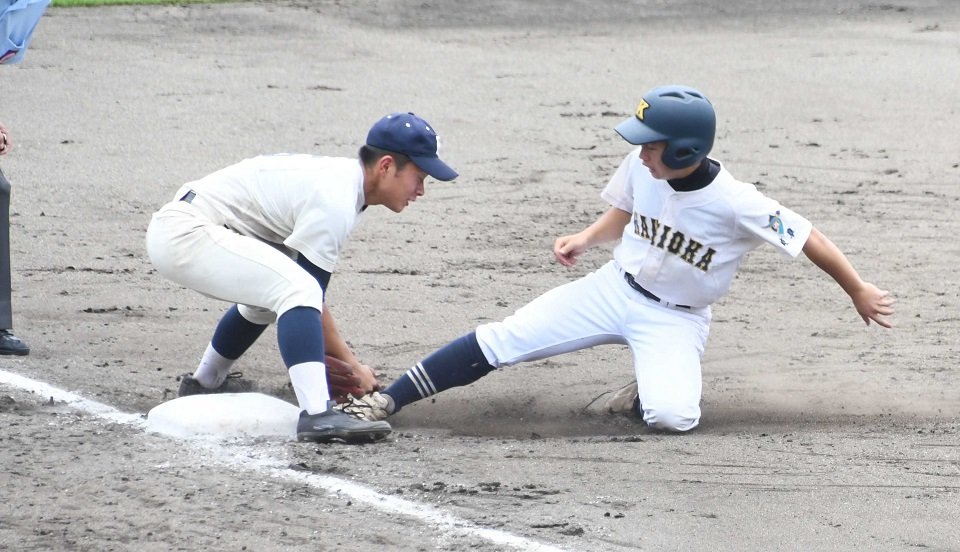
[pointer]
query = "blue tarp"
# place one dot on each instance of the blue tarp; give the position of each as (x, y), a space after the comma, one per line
(18, 19)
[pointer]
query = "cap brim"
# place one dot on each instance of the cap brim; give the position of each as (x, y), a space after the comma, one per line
(635, 132)
(435, 168)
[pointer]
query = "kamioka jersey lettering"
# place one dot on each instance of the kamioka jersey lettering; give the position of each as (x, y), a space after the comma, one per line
(686, 246)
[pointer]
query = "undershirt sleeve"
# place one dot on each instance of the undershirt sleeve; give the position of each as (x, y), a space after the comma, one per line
(321, 275)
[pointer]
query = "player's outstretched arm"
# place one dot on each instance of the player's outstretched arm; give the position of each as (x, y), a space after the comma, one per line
(607, 228)
(871, 302)
(335, 346)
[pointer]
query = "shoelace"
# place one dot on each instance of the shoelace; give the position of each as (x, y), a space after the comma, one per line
(355, 407)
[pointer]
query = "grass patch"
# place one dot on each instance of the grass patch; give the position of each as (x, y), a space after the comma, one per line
(75, 3)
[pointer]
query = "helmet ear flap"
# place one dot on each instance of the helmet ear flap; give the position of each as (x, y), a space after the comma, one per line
(684, 152)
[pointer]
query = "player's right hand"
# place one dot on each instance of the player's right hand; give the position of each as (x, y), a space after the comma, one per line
(5, 141)
(567, 248)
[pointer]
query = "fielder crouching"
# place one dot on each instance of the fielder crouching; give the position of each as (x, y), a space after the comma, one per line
(266, 234)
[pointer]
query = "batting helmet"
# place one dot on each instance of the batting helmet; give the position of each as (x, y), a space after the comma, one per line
(678, 115)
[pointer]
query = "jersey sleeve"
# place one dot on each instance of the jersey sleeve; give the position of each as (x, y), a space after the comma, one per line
(320, 250)
(765, 218)
(319, 235)
(619, 190)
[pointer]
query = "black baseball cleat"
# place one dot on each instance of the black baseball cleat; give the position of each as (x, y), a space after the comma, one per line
(12, 345)
(334, 425)
(233, 384)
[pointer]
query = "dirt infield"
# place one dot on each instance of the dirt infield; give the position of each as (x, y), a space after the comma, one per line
(818, 433)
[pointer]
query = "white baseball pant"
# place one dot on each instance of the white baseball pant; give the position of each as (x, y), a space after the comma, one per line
(187, 248)
(667, 343)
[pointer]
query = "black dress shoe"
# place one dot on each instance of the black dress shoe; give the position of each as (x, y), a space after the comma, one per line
(11, 344)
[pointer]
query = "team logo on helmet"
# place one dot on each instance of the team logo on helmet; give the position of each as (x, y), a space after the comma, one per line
(641, 108)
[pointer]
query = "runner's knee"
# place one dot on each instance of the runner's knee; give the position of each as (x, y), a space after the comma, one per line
(673, 418)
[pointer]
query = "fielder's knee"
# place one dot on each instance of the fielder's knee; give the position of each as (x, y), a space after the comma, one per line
(673, 419)
(306, 293)
(257, 315)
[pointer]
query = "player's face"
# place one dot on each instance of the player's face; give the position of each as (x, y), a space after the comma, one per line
(652, 156)
(403, 186)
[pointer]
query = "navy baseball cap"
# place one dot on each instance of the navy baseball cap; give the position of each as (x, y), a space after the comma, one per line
(410, 135)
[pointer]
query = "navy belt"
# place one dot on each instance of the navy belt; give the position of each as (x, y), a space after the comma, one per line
(188, 197)
(649, 295)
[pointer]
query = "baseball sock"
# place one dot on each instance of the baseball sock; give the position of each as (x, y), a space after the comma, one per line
(213, 368)
(300, 337)
(309, 381)
(458, 363)
(233, 336)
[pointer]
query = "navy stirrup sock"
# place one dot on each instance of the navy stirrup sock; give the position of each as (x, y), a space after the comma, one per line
(300, 336)
(458, 363)
(234, 334)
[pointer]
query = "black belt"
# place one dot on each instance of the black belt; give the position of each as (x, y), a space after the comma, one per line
(633, 283)
(188, 197)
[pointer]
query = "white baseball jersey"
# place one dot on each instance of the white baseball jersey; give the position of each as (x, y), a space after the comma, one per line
(685, 247)
(308, 203)
(235, 238)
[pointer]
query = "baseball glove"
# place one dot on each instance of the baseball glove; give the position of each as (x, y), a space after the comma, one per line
(345, 379)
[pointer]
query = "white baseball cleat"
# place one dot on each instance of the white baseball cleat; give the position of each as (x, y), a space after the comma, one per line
(371, 407)
(623, 400)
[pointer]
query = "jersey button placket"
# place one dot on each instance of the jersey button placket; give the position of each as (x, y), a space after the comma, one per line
(655, 255)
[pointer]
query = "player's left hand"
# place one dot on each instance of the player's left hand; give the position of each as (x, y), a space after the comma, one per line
(368, 378)
(345, 379)
(873, 303)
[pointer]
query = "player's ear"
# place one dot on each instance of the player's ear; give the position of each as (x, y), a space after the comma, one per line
(385, 163)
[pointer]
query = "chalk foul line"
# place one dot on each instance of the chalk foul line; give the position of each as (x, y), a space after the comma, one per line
(276, 468)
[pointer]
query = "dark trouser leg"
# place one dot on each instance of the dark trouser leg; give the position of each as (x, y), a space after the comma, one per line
(6, 310)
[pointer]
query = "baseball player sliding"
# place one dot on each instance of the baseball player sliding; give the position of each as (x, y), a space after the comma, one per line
(684, 224)
(265, 234)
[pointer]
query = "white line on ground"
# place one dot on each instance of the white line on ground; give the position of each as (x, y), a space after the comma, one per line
(275, 468)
